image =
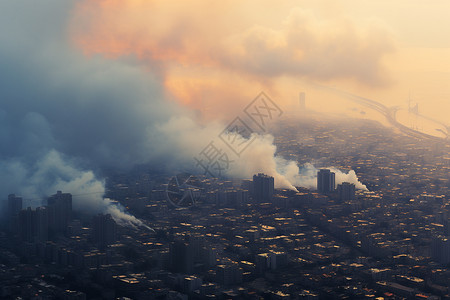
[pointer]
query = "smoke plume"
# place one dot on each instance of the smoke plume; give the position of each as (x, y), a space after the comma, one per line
(307, 177)
(66, 117)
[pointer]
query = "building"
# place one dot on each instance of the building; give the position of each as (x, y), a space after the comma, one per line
(229, 274)
(181, 256)
(59, 213)
(41, 224)
(271, 260)
(14, 205)
(346, 191)
(440, 250)
(27, 228)
(263, 187)
(231, 198)
(325, 181)
(104, 230)
(13, 209)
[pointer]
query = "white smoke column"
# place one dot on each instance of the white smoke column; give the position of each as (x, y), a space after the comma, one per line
(308, 177)
(53, 173)
(350, 176)
(123, 218)
(260, 157)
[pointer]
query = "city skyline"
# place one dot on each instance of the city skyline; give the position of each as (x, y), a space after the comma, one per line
(224, 150)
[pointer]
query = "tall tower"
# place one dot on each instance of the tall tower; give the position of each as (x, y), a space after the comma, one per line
(42, 224)
(346, 191)
(14, 208)
(59, 212)
(325, 181)
(263, 187)
(14, 205)
(27, 229)
(181, 255)
(104, 230)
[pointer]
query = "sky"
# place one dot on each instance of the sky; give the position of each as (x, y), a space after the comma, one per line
(209, 53)
(90, 86)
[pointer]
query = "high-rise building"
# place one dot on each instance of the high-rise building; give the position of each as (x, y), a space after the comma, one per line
(14, 205)
(59, 213)
(181, 256)
(440, 249)
(263, 187)
(346, 191)
(104, 230)
(13, 209)
(33, 224)
(229, 274)
(27, 228)
(271, 260)
(325, 181)
(41, 224)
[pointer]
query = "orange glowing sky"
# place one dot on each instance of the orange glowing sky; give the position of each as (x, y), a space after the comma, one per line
(216, 56)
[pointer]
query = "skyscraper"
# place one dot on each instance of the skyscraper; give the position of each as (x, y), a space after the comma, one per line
(41, 224)
(263, 187)
(33, 224)
(181, 255)
(59, 212)
(325, 181)
(27, 228)
(104, 230)
(346, 191)
(14, 205)
(229, 274)
(13, 209)
(440, 249)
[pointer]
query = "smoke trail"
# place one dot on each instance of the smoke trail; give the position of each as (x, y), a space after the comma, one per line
(260, 157)
(307, 177)
(65, 118)
(123, 218)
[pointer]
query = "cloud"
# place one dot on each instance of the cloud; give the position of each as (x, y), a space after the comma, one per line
(67, 118)
(304, 47)
(210, 55)
(307, 177)
(260, 157)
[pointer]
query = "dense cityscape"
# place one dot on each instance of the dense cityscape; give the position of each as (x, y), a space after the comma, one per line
(193, 150)
(243, 239)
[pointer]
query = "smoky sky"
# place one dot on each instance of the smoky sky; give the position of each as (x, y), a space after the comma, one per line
(60, 107)
(53, 97)
(67, 117)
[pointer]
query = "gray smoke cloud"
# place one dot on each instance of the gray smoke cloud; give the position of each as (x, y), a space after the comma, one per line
(306, 176)
(66, 118)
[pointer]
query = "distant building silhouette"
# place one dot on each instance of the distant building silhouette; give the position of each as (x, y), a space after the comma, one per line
(346, 191)
(27, 224)
(325, 181)
(59, 213)
(440, 249)
(14, 205)
(263, 187)
(13, 209)
(181, 256)
(229, 274)
(33, 224)
(104, 230)
(41, 224)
